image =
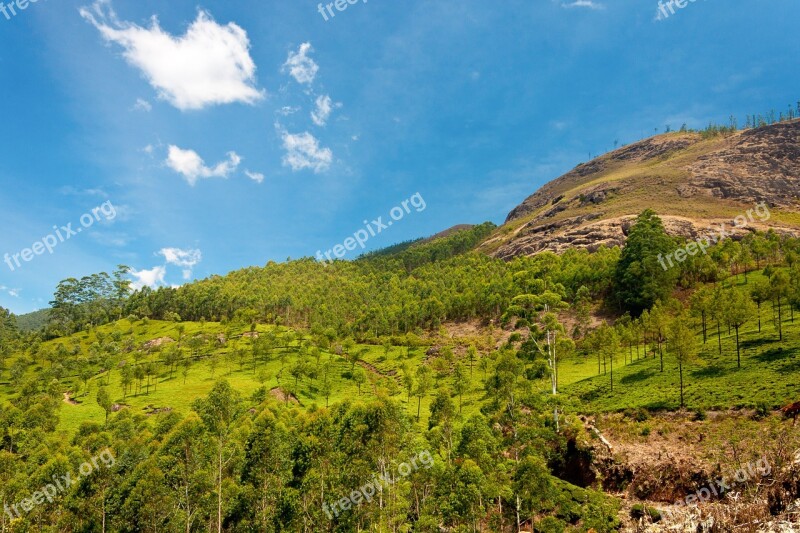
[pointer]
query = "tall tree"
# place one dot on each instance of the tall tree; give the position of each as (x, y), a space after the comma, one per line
(683, 345)
(219, 412)
(779, 290)
(739, 310)
(643, 274)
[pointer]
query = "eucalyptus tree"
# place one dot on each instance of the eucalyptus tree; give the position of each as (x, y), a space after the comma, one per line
(683, 345)
(739, 310)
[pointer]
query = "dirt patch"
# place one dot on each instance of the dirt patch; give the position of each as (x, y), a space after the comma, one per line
(657, 459)
(151, 410)
(68, 399)
(375, 370)
(283, 396)
(157, 343)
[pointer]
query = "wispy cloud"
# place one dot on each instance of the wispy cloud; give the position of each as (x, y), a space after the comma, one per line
(142, 105)
(186, 259)
(324, 108)
(210, 64)
(14, 293)
(588, 4)
(303, 151)
(255, 176)
(192, 167)
(301, 67)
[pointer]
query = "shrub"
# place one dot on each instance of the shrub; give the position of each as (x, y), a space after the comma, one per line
(639, 511)
(762, 410)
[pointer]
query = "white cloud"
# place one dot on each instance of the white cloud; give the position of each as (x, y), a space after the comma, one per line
(182, 258)
(70, 190)
(142, 105)
(584, 3)
(255, 176)
(301, 67)
(148, 278)
(118, 240)
(189, 164)
(303, 151)
(287, 110)
(14, 293)
(325, 107)
(210, 64)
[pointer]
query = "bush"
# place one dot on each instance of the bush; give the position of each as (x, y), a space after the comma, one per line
(699, 415)
(639, 511)
(549, 524)
(763, 410)
(639, 415)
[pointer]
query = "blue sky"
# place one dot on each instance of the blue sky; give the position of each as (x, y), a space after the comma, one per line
(230, 133)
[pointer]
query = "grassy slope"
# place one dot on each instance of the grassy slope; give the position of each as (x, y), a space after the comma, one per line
(172, 392)
(769, 372)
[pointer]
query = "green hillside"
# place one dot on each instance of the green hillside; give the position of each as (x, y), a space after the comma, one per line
(312, 378)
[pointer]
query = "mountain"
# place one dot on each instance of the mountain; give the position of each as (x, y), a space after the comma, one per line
(693, 180)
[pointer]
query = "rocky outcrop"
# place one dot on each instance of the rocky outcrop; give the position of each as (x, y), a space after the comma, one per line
(691, 182)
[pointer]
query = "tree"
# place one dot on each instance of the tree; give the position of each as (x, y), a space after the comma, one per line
(641, 277)
(608, 346)
(104, 401)
(184, 461)
(359, 377)
(424, 382)
(701, 306)
(219, 412)
(326, 388)
(126, 378)
(408, 382)
(779, 289)
(472, 354)
(460, 383)
(739, 310)
(682, 344)
(760, 293)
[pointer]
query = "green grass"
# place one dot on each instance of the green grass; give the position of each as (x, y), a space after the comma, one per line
(177, 392)
(769, 373)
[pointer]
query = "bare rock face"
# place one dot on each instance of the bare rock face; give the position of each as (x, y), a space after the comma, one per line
(693, 183)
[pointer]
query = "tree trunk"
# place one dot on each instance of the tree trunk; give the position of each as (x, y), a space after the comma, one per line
(738, 355)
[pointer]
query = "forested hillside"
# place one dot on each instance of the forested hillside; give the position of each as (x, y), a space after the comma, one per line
(263, 399)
